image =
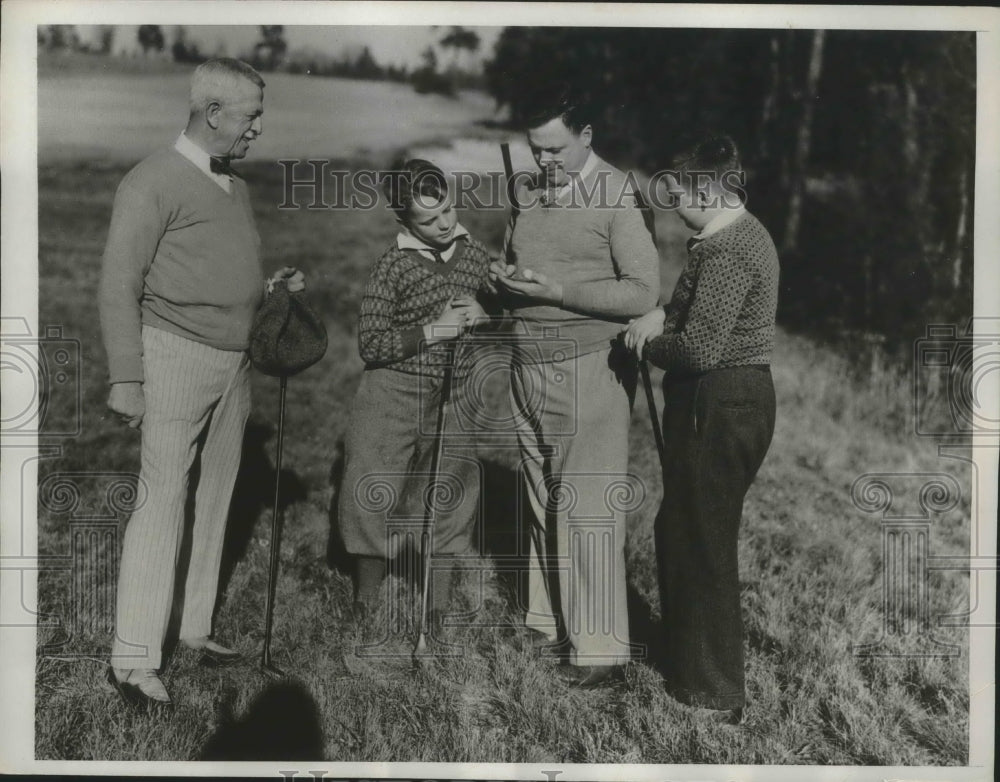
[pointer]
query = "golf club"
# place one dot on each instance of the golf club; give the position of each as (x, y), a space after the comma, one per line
(647, 385)
(430, 510)
(272, 575)
(508, 168)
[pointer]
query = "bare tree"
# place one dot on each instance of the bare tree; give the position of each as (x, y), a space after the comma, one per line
(803, 141)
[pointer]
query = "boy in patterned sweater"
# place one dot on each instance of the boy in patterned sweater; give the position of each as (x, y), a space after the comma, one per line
(714, 342)
(421, 296)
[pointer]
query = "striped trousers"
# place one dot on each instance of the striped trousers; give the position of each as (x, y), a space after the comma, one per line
(195, 395)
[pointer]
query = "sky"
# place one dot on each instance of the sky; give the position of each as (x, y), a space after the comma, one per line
(389, 45)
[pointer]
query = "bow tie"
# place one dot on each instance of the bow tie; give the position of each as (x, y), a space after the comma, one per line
(219, 165)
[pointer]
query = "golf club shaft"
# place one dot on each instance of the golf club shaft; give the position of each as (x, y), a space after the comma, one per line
(508, 168)
(430, 513)
(647, 385)
(272, 575)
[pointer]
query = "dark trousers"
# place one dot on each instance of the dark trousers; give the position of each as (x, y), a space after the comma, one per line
(717, 428)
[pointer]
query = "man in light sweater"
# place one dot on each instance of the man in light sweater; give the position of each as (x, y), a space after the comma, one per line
(181, 281)
(579, 261)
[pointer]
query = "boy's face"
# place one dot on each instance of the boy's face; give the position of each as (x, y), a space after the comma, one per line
(432, 223)
(685, 203)
(558, 151)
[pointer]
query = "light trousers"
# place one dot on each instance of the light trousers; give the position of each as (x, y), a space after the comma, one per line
(195, 394)
(572, 421)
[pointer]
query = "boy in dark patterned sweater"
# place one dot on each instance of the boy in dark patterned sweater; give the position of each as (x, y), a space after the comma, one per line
(714, 341)
(421, 296)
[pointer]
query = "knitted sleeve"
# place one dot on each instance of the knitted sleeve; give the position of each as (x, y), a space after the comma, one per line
(635, 286)
(680, 299)
(722, 284)
(137, 225)
(489, 299)
(379, 340)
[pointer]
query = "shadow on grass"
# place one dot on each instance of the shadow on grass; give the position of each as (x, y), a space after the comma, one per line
(645, 634)
(282, 723)
(253, 493)
(502, 536)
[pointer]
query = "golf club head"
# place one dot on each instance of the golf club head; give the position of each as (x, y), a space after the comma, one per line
(272, 670)
(420, 654)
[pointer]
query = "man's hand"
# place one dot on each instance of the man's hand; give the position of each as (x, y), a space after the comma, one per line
(534, 285)
(292, 277)
(129, 401)
(497, 270)
(640, 330)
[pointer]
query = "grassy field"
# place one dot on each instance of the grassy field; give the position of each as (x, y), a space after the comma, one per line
(110, 109)
(811, 567)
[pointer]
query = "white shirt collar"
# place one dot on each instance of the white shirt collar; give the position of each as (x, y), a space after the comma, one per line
(407, 241)
(202, 160)
(579, 176)
(719, 222)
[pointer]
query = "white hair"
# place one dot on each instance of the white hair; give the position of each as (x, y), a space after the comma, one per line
(216, 81)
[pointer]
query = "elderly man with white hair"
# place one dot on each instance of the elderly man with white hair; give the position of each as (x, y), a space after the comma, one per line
(181, 282)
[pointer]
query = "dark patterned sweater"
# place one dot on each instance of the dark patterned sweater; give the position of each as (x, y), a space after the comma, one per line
(723, 307)
(405, 292)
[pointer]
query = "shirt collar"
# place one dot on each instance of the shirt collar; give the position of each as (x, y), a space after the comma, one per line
(201, 159)
(719, 222)
(579, 176)
(407, 241)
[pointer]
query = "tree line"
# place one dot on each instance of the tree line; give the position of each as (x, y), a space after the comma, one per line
(859, 148)
(271, 52)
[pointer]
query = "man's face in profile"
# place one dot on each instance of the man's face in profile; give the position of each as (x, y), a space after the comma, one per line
(558, 150)
(240, 119)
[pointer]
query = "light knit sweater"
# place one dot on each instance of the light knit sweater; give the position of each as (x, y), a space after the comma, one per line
(598, 246)
(182, 255)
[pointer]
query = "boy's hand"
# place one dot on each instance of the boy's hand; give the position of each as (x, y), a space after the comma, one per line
(451, 323)
(292, 277)
(475, 314)
(129, 401)
(535, 285)
(640, 330)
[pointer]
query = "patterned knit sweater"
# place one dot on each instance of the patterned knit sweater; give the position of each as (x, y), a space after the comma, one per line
(405, 292)
(723, 307)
